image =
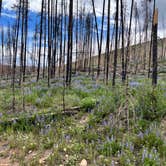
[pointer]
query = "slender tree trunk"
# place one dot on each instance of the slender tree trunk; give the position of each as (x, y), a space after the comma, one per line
(15, 47)
(128, 41)
(40, 42)
(123, 50)
(2, 46)
(49, 43)
(108, 44)
(116, 42)
(155, 56)
(151, 42)
(26, 36)
(70, 43)
(101, 41)
(0, 6)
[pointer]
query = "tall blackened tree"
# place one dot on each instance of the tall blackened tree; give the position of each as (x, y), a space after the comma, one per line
(70, 45)
(155, 57)
(116, 41)
(0, 6)
(127, 60)
(101, 41)
(2, 52)
(49, 41)
(108, 43)
(122, 50)
(40, 42)
(15, 38)
(26, 36)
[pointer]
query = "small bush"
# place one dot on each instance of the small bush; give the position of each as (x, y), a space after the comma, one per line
(150, 162)
(110, 148)
(88, 103)
(151, 103)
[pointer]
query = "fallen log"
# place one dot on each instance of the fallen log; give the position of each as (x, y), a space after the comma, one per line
(38, 119)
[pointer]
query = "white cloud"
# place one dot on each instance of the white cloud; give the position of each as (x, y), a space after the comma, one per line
(8, 15)
(35, 5)
(7, 4)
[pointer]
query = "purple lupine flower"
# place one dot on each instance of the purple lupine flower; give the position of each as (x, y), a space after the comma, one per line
(67, 137)
(150, 156)
(147, 131)
(104, 123)
(112, 163)
(134, 84)
(140, 135)
(127, 144)
(1, 114)
(131, 147)
(144, 154)
(110, 117)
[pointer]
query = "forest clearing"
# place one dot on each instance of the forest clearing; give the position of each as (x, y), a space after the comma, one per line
(82, 83)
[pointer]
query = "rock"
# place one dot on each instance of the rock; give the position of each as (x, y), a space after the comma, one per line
(83, 163)
(30, 152)
(42, 161)
(67, 156)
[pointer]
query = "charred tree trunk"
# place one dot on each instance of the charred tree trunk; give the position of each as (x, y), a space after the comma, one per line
(15, 50)
(155, 57)
(101, 41)
(0, 6)
(123, 50)
(40, 42)
(2, 47)
(108, 44)
(25, 38)
(116, 42)
(127, 60)
(49, 43)
(70, 43)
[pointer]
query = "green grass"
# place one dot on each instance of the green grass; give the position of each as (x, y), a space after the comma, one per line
(99, 132)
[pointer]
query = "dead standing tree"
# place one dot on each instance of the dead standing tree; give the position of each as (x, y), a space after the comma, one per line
(70, 45)
(127, 60)
(116, 42)
(40, 42)
(0, 6)
(154, 59)
(108, 44)
(15, 50)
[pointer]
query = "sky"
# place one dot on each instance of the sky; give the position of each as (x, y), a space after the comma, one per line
(8, 15)
(35, 7)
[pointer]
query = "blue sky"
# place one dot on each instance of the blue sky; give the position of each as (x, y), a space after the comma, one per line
(35, 5)
(8, 15)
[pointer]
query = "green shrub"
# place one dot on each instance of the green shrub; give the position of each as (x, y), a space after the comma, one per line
(110, 148)
(143, 124)
(152, 140)
(90, 136)
(128, 158)
(78, 148)
(150, 162)
(82, 94)
(151, 103)
(88, 103)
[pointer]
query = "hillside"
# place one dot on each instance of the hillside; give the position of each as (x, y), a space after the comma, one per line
(137, 60)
